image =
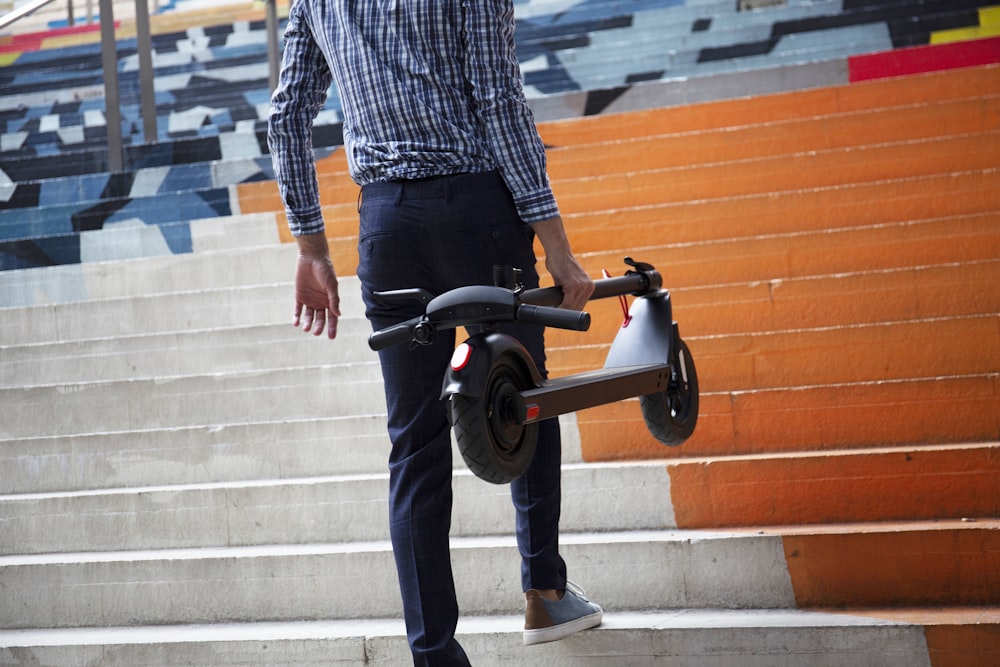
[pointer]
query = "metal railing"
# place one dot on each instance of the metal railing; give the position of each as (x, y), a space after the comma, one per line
(109, 64)
(28, 9)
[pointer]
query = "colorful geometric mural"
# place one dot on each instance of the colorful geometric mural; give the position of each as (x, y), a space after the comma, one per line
(212, 98)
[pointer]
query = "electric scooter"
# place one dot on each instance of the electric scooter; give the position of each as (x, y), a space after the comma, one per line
(495, 393)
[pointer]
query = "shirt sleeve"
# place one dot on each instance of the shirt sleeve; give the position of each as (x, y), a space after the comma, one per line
(494, 76)
(300, 95)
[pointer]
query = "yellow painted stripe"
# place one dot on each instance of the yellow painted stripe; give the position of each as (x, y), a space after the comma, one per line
(964, 34)
(8, 58)
(989, 16)
(989, 26)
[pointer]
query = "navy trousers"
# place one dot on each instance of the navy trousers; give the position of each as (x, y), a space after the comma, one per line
(438, 234)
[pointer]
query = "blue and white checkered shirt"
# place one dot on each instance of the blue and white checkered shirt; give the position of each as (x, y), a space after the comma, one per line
(428, 88)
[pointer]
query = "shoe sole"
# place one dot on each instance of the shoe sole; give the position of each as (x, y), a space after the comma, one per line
(563, 630)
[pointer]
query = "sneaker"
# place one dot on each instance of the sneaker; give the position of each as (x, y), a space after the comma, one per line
(546, 621)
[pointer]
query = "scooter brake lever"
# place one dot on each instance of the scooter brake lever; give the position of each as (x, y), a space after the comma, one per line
(418, 293)
(639, 266)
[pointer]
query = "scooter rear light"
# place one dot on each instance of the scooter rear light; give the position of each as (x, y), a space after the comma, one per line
(460, 357)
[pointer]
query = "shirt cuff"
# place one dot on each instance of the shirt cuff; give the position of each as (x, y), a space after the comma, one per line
(538, 207)
(308, 222)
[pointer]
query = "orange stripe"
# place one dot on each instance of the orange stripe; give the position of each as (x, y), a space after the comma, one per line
(955, 636)
(862, 415)
(941, 564)
(902, 484)
(971, 82)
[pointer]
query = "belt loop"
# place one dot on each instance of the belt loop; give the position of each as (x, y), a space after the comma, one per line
(447, 190)
(399, 192)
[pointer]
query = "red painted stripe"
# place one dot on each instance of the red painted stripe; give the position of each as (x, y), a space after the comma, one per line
(32, 41)
(921, 59)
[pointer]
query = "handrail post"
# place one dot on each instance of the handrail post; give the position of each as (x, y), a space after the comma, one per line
(112, 98)
(273, 56)
(147, 91)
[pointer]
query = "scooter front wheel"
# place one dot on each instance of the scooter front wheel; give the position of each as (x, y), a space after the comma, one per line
(494, 446)
(671, 414)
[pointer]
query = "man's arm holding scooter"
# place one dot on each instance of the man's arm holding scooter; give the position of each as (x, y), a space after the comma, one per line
(562, 265)
(317, 297)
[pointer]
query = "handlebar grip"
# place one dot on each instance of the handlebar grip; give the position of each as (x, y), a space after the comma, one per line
(543, 296)
(394, 335)
(559, 318)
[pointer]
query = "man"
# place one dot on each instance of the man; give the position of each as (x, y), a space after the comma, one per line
(439, 136)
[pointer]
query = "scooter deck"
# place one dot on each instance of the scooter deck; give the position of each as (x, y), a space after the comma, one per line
(588, 389)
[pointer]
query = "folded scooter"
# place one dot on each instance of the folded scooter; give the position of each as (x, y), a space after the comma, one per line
(495, 392)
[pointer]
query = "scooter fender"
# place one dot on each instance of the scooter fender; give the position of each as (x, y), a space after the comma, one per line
(469, 370)
(647, 336)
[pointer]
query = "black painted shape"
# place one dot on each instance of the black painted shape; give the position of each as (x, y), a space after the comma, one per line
(744, 50)
(639, 77)
(113, 198)
(31, 253)
(701, 25)
(903, 18)
(599, 100)
(910, 23)
(26, 195)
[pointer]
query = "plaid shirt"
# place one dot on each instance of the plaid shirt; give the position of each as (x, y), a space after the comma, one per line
(428, 88)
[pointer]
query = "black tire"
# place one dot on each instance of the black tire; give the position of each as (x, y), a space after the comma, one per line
(494, 446)
(671, 414)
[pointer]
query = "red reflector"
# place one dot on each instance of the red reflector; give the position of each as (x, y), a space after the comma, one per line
(531, 412)
(460, 357)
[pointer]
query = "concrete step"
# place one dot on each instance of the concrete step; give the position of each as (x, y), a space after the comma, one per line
(840, 354)
(854, 415)
(348, 508)
(207, 454)
(933, 564)
(721, 314)
(325, 390)
(167, 355)
(669, 638)
(915, 564)
(668, 569)
(907, 141)
(211, 454)
(793, 106)
(817, 301)
(790, 211)
(831, 136)
(258, 304)
(811, 169)
(598, 231)
(247, 247)
(915, 482)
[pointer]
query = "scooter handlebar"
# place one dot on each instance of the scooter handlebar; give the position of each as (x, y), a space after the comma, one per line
(394, 335)
(537, 306)
(636, 283)
(558, 318)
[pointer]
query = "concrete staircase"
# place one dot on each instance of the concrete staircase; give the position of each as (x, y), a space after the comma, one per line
(186, 479)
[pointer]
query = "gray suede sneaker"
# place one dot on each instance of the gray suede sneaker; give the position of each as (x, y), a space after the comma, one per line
(546, 621)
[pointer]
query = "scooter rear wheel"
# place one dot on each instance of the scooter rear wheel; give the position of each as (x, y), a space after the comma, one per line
(671, 414)
(494, 446)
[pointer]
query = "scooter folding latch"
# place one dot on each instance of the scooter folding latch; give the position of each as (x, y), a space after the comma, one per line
(508, 277)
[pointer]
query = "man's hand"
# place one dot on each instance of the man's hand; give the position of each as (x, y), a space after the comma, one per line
(562, 265)
(317, 296)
